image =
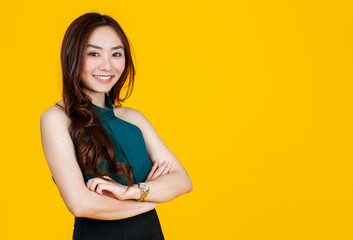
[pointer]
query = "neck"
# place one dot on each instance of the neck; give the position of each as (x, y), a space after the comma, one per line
(98, 99)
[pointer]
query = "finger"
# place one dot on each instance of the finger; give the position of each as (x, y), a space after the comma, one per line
(108, 178)
(93, 182)
(100, 189)
(103, 186)
(167, 169)
(101, 180)
(160, 169)
(153, 169)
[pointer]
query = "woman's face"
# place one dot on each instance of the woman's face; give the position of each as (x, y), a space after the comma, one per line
(103, 61)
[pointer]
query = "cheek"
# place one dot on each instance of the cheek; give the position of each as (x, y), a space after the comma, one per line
(120, 66)
(88, 66)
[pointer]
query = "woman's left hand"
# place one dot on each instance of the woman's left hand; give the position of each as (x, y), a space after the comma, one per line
(120, 191)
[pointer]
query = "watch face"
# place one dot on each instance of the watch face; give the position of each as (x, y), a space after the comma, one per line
(144, 186)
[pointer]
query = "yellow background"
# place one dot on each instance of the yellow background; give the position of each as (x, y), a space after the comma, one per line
(254, 98)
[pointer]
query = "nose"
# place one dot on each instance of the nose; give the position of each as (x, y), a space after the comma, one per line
(106, 64)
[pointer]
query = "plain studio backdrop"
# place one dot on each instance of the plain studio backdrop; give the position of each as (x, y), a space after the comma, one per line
(253, 97)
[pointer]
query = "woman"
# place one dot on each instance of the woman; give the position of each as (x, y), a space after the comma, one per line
(108, 162)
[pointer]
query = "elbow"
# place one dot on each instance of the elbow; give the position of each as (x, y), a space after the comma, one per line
(189, 189)
(77, 210)
(85, 209)
(78, 207)
(76, 213)
(87, 205)
(188, 185)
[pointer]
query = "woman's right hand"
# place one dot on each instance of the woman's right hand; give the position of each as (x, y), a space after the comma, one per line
(155, 172)
(158, 170)
(109, 194)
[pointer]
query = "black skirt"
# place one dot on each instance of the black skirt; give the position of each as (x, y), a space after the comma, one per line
(140, 227)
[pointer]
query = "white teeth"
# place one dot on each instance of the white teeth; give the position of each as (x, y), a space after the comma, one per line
(103, 78)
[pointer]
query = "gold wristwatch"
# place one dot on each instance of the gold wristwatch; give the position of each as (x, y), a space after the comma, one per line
(144, 191)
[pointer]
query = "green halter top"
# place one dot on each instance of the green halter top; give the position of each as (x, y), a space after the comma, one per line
(128, 142)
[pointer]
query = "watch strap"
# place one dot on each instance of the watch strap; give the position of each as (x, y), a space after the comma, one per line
(144, 192)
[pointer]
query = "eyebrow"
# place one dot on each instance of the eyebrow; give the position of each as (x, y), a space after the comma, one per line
(95, 46)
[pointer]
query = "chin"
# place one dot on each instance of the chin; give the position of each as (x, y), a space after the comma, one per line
(98, 89)
(103, 90)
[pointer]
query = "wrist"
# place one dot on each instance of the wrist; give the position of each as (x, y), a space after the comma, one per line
(135, 192)
(144, 190)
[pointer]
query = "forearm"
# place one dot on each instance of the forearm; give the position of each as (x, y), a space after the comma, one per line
(167, 187)
(102, 207)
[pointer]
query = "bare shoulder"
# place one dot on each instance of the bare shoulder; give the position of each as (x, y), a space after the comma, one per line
(54, 115)
(131, 115)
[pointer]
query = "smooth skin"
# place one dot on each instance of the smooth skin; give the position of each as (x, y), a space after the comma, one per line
(99, 198)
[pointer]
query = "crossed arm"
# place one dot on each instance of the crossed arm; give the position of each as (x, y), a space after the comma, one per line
(102, 199)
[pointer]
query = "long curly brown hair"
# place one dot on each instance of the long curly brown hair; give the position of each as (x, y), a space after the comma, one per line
(85, 118)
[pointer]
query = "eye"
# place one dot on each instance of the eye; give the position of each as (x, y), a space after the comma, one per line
(118, 54)
(94, 54)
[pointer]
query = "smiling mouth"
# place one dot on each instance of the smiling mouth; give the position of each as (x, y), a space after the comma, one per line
(103, 77)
